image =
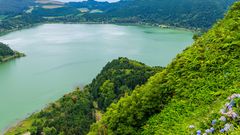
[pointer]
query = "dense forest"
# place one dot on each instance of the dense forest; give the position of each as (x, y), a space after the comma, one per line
(14, 6)
(75, 112)
(180, 13)
(191, 14)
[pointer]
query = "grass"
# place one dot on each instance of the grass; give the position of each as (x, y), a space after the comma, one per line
(21, 128)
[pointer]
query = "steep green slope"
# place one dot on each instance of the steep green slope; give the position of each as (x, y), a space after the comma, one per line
(191, 90)
(75, 112)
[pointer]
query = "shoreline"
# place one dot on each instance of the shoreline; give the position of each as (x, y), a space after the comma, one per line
(131, 24)
(15, 56)
(120, 24)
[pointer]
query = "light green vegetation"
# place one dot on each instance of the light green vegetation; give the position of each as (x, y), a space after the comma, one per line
(191, 90)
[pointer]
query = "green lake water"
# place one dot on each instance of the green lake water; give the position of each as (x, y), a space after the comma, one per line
(63, 56)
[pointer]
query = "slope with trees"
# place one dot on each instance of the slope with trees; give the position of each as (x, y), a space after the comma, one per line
(75, 112)
(191, 90)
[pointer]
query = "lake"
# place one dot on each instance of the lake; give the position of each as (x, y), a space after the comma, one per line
(61, 57)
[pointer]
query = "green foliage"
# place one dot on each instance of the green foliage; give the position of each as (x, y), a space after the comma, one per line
(180, 13)
(75, 112)
(107, 94)
(14, 6)
(10, 24)
(191, 90)
(71, 114)
(5, 50)
(124, 75)
(50, 131)
(191, 14)
(7, 53)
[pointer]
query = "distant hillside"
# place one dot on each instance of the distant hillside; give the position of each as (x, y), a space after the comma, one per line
(190, 14)
(91, 4)
(14, 6)
(180, 13)
(49, 2)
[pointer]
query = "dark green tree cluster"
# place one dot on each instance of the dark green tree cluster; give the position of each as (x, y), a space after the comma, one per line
(180, 13)
(70, 115)
(121, 76)
(75, 112)
(5, 51)
(14, 6)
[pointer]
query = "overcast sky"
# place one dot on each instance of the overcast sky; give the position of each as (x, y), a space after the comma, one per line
(85, 0)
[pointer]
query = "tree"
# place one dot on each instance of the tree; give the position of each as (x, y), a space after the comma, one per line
(49, 131)
(107, 94)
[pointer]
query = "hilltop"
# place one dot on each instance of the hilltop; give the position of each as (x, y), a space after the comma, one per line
(75, 112)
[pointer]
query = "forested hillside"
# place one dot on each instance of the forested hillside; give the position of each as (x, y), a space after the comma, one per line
(14, 6)
(190, 91)
(179, 13)
(190, 14)
(91, 4)
(75, 112)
